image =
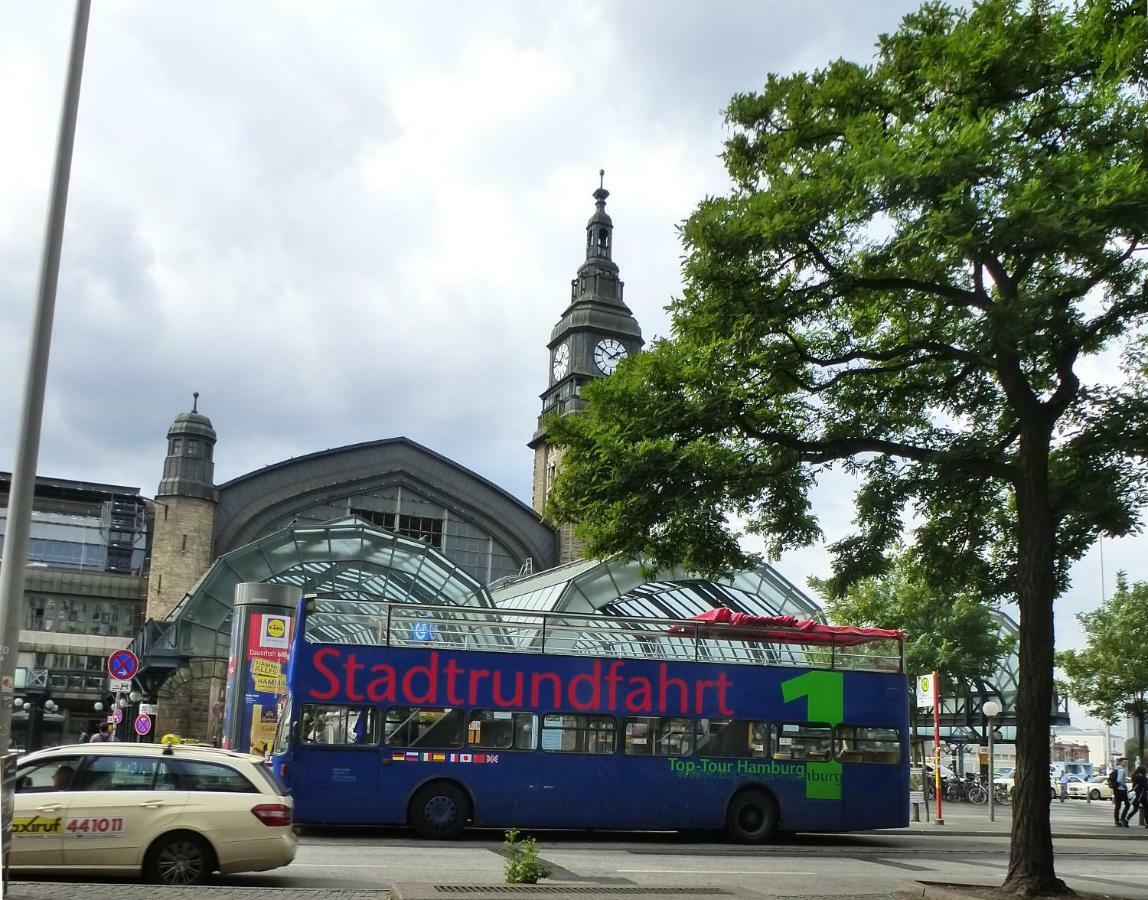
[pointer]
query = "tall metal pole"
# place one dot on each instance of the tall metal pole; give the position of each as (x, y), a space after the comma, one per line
(940, 820)
(28, 440)
(992, 779)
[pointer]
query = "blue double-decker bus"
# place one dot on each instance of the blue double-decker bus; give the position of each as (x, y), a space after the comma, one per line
(444, 717)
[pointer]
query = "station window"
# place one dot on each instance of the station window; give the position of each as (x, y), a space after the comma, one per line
(657, 736)
(739, 738)
(414, 726)
(871, 745)
(494, 729)
(339, 725)
(564, 733)
(803, 740)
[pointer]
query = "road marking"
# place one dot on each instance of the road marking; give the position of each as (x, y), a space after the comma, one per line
(707, 872)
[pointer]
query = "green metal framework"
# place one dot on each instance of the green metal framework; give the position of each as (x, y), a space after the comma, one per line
(347, 558)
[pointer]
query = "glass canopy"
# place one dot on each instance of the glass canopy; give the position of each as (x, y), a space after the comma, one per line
(347, 558)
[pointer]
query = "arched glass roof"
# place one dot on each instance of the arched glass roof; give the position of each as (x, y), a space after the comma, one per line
(617, 587)
(348, 558)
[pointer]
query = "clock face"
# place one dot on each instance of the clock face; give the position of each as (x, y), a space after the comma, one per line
(561, 361)
(608, 354)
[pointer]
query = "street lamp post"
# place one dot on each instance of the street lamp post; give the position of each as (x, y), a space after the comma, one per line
(35, 708)
(992, 709)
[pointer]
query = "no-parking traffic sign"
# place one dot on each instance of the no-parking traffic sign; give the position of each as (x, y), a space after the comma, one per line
(142, 725)
(123, 665)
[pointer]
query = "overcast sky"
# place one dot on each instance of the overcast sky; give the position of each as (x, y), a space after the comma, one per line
(341, 222)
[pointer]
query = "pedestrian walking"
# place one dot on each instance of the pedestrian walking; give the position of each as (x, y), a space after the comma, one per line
(104, 734)
(1063, 785)
(1139, 797)
(1118, 781)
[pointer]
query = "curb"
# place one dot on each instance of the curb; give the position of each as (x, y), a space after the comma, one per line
(931, 890)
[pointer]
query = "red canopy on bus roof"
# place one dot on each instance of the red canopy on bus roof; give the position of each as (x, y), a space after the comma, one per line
(780, 629)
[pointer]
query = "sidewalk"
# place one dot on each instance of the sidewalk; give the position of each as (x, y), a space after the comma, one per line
(70, 890)
(1075, 819)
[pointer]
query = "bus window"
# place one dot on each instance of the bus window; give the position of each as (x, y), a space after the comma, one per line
(413, 726)
(804, 741)
(339, 725)
(499, 730)
(657, 736)
(871, 745)
(739, 738)
(564, 733)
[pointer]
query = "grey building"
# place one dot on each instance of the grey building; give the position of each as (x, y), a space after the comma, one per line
(84, 596)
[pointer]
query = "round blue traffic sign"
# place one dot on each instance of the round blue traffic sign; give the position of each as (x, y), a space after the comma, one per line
(123, 664)
(142, 724)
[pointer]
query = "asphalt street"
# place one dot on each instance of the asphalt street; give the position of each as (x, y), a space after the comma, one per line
(1091, 854)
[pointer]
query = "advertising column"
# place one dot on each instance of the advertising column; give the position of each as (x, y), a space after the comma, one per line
(261, 628)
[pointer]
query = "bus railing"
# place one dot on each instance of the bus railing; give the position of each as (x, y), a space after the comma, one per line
(331, 620)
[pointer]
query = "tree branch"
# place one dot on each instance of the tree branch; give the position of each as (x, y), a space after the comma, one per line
(842, 448)
(957, 295)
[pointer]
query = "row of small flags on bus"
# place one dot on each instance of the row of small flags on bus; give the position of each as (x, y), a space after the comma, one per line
(412, 756)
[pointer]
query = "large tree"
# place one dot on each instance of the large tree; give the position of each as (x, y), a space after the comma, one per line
(1109, 677)
(915, 266)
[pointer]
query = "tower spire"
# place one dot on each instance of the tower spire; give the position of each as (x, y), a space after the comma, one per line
(600, 228)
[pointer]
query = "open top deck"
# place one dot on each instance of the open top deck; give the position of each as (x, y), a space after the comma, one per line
(377, 624)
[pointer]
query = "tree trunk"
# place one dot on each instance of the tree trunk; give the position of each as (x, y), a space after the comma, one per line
(1031, 868)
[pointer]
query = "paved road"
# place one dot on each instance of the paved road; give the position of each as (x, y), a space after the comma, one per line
(1091, 855)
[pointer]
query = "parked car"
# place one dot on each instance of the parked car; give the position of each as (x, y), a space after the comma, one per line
(1053, 785)
(1095, 788)
(173, 814)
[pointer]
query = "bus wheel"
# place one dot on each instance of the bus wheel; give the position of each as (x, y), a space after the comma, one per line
(752, 817)
(439, 811)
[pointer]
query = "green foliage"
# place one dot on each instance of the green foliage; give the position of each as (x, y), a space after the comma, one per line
(915, 270)
(954, 634)
(913, 260)
(1109, 677)
(522, 865)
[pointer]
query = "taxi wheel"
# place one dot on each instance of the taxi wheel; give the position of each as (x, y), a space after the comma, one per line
(439, 811)
(180, 858)
(752, 817)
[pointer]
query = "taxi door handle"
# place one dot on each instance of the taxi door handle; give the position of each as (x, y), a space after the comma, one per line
(50, 807)
(152, 804)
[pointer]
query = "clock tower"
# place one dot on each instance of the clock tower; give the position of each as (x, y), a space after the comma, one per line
(596, 331)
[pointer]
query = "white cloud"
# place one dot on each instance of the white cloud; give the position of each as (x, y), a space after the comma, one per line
(354, 222)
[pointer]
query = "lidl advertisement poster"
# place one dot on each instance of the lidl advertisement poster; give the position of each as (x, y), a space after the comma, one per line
(268, 646)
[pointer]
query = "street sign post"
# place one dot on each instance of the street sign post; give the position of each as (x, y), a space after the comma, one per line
(924, 684)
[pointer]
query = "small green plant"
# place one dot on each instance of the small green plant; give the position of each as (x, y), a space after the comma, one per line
(522, 866)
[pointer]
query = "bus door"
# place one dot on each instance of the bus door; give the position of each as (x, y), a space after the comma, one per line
(335, 764)
(578, 783)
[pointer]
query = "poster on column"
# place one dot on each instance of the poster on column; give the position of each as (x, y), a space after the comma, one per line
(268, 648)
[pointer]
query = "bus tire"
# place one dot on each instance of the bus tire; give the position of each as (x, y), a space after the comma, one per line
(439, 810)
(752, 817)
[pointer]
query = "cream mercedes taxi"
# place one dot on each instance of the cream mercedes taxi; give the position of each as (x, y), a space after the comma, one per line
(172, 813)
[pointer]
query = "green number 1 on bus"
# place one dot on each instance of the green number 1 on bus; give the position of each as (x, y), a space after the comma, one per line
(825, 699)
